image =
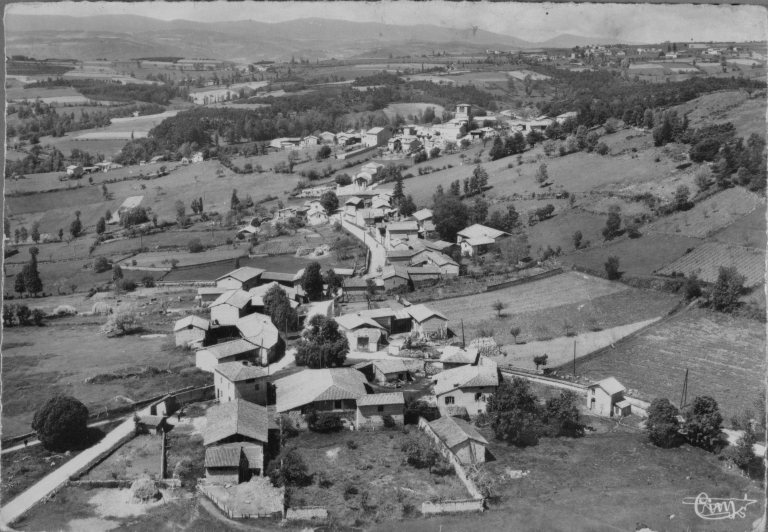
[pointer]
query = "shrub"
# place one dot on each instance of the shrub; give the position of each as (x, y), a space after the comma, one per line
(289, 469)
(145, 490)
(124, 321)
(419, 453)
(61, 423)
(127, 285)
(612, 268)
(602, 149)
(195, 246)
(388, 421)
(351, 444)
(101, 264)
(662, 424)
(183, 470)
(148, 281)
(101, 309)
(64, 310)
(327, 422)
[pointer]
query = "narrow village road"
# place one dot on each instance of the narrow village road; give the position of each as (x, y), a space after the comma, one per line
(18, 506)
(378, 253)
(288, 357)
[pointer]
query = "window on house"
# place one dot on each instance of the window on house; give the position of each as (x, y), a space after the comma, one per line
(337, 405)
(380, 408)
(449, 400)
(256, 386)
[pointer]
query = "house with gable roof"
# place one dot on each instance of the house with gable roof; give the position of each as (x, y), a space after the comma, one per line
(606, 398)
(468, 386)
(454, 356)
(191, 330)
(233, 351)
(475, 239)
(461, 438)
(372, 408)
(363, 334)
(428, 322)
(240, 380)
(235, 435)
(330, 389)
(243, 278)
(230, 307)
(259, 330)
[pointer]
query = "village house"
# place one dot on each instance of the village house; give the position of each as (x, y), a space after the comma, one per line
(235, 435)
(259, 329)
(447, 266)
(401, 231)
(328, 137)
(285, 143)
(238, 350)
(422, 216)
(401, 257)
(348, 138)
(310, 140)
(153, 425)
(257, 295)
(245, 233)
(475, 239)
(369, 217)
(356, 288)
(240, 380)
(454, 356)
(75, 170)
(395, 276)
(461, 438)
(291, 280)
(377, 136)
(394, 321)
(197, 157)
(362, 180)
(316, 215)
(243, 278)
(191, 331)
(372, 408)
(332, 389)
(372, 168)
(363, 334)
(565, 116)
(352, 205)
(467, 386)
(428, 322)
(424, 275)
(606, 398)
(390, 370)
(230, 307)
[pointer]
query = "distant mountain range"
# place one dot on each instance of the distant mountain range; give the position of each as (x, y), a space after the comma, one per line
(129, 36)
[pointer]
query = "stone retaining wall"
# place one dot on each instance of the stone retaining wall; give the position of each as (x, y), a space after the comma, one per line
(468, 505)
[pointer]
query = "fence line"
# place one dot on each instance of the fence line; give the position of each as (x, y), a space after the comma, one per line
(523, 280)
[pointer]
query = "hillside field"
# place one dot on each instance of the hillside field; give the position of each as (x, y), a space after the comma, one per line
(707, 259)
(725, 357)
(542, 308)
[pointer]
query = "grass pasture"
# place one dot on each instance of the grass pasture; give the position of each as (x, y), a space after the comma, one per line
(747, 114)
(161, 259)
(725, 357)
(637, 256)
(39, 363)
(542, 308)
(709, 216)
(558, 230)
(707, 259)
(748, 231)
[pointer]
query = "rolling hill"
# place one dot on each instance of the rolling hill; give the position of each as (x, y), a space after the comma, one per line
(129, 36)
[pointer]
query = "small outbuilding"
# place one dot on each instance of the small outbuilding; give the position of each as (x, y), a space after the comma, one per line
(372, 409)
(606, 398)
(461, 438)
(191, 330)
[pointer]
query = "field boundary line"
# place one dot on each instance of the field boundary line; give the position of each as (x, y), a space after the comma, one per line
(672, 314)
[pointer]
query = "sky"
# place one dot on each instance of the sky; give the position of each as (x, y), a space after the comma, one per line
(533, 22)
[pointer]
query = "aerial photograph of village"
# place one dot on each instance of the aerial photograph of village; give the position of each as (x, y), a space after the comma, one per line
(387, 267)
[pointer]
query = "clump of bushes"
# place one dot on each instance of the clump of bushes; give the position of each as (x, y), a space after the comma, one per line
(64, 310)
(101, 309)
(145, 490)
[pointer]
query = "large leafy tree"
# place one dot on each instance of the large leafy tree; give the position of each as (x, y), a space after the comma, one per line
(323, 344)
(330, 202)
(703, 422)
(278, 307)
(450, 216)
(562, 415)
(662, 425)
(514, 413)
(727, 289)
(312, 281)
(32, 280)
(61, 423)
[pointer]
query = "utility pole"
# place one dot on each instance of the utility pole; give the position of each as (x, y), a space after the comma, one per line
(463, 343)
(574, 358)
(684, 394)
